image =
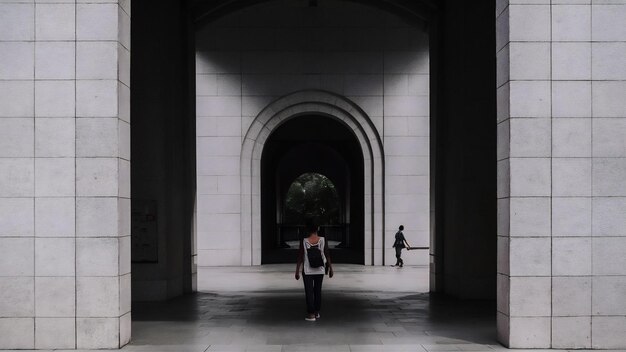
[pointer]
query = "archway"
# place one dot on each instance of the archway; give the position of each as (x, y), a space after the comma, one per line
(235, 78)
(448, 148)
(343, 111)
(312, 145)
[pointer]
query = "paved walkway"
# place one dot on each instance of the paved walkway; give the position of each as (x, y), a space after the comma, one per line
(261, 309)
(364, 309)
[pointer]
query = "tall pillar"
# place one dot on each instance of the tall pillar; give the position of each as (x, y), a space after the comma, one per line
(64, 174)
(562, 174)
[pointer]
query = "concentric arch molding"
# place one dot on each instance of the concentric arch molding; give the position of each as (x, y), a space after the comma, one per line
(293, 105)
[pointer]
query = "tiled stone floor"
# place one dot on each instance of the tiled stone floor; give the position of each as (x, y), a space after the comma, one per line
(351, 321)
(363, 310)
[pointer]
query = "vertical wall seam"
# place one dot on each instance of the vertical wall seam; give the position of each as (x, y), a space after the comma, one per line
(119, 160)
(508, 161)
(551, 177)
(34, 177)
(382, 157)
(591, 178)
(75, 187)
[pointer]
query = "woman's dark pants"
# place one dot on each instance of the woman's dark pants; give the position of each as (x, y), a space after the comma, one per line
(398, 254)
(313, 292)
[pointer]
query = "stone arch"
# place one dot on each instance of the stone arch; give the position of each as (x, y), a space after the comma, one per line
(291, 106)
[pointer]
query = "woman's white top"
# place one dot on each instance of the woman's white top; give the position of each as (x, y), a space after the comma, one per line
(307, 267)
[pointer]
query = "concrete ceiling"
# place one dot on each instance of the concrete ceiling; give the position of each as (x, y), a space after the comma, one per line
(204, 11)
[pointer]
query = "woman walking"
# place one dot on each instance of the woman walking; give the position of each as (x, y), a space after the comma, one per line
(399, 243)
(314, 258)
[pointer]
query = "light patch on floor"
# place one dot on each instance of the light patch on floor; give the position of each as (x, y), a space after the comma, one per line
(348, 277)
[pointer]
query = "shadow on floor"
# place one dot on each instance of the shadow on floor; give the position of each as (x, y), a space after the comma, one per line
(276, 318)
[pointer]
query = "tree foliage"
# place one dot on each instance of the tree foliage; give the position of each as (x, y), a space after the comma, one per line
(312, 196)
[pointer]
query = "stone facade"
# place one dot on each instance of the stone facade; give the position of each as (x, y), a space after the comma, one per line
(64, 174)
(374, 60)
(562, 171)
(64, 156)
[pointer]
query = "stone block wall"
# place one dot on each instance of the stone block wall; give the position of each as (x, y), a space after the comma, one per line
(64, 154)
(248, 59)
(562, 173)
(64, 174)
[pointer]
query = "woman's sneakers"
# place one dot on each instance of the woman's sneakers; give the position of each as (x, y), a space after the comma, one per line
(312, 317)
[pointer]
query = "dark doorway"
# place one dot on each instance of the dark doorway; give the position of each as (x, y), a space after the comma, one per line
(320, 155)
(463, 136)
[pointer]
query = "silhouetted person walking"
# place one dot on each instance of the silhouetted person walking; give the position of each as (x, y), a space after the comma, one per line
(399, 243)
(314, 257)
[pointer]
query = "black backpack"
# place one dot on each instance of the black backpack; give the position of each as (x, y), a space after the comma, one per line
(314, 253)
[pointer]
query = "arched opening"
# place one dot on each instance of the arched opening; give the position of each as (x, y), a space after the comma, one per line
(320, 155)
(253, 56)
(325, 111)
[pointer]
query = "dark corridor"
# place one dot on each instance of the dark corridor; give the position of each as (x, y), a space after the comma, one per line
(463, 138)
(323, 146)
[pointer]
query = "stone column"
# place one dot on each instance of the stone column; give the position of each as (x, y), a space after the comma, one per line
(524, 182)
(608, 170)
(406, 136)
(562, 174)
(64, 174)
(102, 174)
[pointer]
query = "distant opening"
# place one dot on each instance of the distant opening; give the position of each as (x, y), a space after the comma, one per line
(312, 197)
(312, 170)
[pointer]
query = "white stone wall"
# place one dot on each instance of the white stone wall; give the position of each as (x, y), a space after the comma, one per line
(64, 174)
(249, 58)
(562, 173)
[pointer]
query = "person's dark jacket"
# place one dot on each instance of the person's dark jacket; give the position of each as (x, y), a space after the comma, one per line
(399, 242)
